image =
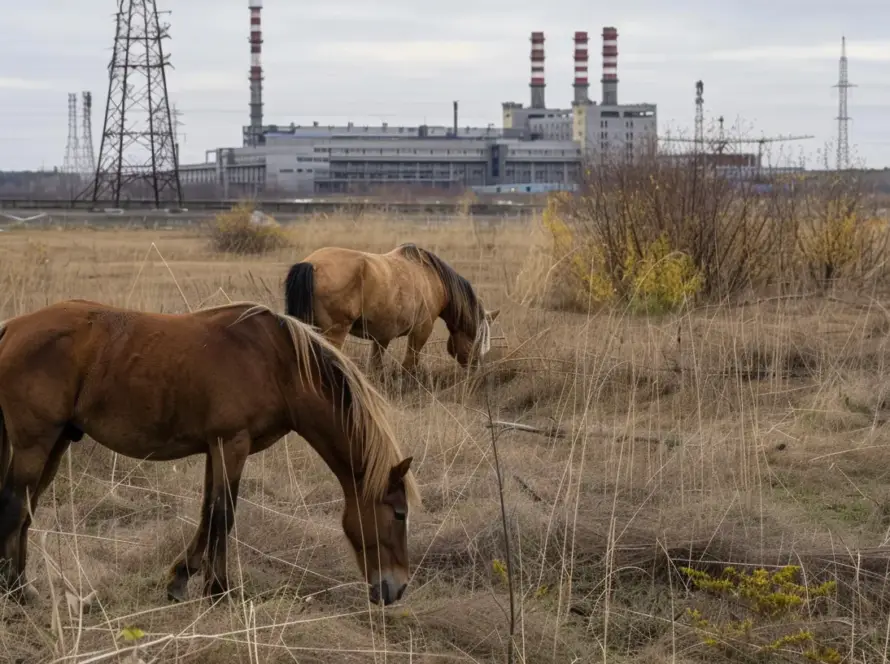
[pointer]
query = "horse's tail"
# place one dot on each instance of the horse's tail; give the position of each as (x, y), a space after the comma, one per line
(298, 290)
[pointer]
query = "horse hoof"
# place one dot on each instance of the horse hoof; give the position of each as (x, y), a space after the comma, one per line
(216, 592)
(29, 592)
(23, 594)
(177, 592)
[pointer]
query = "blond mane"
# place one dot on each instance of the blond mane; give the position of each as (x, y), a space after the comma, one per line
(367, 421)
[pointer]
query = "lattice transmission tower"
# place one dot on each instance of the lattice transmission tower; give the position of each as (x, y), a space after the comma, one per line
(72, 147)
(137, 152)
(843, 120)
(86, 159)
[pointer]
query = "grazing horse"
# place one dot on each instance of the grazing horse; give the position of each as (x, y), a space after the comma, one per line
(226, 382)
(384, 296)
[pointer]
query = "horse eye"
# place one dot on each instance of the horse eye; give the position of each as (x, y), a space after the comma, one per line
(400, 515)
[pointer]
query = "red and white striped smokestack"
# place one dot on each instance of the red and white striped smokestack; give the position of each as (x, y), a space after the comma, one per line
(610, 66)
(537, 59)
(256, 72)
(581, 82)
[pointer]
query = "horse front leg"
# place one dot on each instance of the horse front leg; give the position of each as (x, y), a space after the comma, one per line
(378, 349)
(417, 339)
(227, 460)
(190, 561)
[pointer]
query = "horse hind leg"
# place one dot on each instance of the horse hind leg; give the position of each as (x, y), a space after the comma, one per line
(227, 459)
(32, 467)
(190, 561)
(49, 473)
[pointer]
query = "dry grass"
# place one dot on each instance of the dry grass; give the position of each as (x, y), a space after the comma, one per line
(753, 435)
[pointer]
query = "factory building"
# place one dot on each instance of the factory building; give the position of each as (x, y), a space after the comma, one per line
(536, 148)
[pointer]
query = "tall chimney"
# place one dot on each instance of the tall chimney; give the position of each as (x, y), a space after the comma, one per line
(610, 66)
(537, 59)
(581, 84)
(455, 119)
(256, 73)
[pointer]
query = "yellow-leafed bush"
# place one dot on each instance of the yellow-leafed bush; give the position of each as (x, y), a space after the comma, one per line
(241, 231)
(660, 278)
(650, 275)
(840, 243)
(584, 264)
(767, 610)
(655, 234)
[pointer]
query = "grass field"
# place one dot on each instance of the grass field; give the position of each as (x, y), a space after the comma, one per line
(752, 436)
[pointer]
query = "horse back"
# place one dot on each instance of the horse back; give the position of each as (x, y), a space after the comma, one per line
(115, 370)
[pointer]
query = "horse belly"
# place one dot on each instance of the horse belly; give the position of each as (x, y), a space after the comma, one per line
(155, 424)
(137, 445)
(368, 330)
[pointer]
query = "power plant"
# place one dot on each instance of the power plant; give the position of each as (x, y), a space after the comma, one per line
(537, 147)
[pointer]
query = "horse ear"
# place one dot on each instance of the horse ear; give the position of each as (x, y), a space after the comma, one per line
(400, 469)
(493, 314)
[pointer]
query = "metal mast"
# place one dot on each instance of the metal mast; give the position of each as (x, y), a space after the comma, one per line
(843, 120)
(69, 165)
(87, 160)
(699, 117)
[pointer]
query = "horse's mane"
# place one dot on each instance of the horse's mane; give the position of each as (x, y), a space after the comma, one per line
(463, 309)
(364, 407)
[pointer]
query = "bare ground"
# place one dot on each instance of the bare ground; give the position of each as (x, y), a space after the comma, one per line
(752, 436)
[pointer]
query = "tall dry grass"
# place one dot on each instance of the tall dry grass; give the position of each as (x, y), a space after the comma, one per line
(747, 434)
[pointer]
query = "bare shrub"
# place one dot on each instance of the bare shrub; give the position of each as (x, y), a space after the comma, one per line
(240, 231)
(658, 232)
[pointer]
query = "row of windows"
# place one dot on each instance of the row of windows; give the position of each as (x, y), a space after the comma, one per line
(546, 152)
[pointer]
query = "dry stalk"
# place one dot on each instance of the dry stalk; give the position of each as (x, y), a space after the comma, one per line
(504, 525)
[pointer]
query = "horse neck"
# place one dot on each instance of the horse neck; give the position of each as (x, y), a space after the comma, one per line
(324, 428)
(445, 311)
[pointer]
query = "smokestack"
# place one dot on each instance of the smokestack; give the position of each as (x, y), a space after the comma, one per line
(610, 66)
(256, 72)
(455, 119)
(537, 82)
(581, 84)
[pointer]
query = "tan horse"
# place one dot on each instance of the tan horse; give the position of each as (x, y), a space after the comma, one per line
(384, 296)
(226, 382)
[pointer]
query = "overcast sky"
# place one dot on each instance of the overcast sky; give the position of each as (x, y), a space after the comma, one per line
(768, 66)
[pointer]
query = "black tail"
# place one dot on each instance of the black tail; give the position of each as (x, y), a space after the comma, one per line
(10, 503)
(298, 288)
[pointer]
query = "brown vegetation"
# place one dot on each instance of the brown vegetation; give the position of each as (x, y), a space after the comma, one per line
(744, 431)
(246, 230)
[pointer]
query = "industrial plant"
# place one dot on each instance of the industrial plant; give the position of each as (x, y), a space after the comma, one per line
(538, 148)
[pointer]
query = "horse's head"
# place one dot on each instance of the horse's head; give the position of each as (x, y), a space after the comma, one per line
(378, 533)
(469, 349)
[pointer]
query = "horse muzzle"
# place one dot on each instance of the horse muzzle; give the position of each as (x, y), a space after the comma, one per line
(386, 591)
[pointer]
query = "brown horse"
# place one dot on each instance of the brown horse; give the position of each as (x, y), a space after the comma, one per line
(384, 296)
(226, 382)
